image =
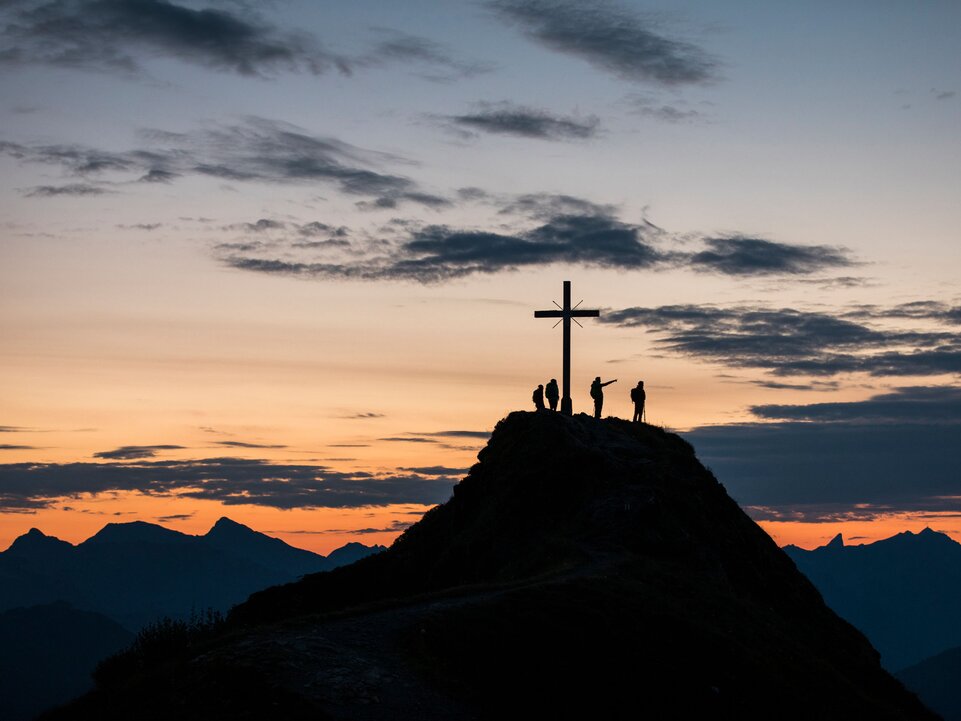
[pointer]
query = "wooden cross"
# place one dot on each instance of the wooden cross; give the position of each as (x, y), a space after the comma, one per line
(567, 314)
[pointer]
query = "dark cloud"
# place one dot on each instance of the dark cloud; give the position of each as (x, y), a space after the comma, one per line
(460, 434)
(243, 444)
(119, 35)
(13, 447)
(509, 119)
(75, 189)
(568, 230)
(232, 481)
(255, 150)
(259, 226)
(544, 206)
(916, 404)
(610, 38)
(316, 228)
(155, 175)
(392, 527)
(362, 416)
(740, 255)
(116, 35)
(836, 471)
(437, 470)
(174, 517)
(915, 310)
(408, 439)
(129, 453)
(794, 342)
(779, 386)
(14, 429)
(393, 199)
(438, 253)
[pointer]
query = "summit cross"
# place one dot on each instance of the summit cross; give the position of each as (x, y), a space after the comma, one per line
(567, 314)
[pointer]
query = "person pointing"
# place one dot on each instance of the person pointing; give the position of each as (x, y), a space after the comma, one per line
(597, 393)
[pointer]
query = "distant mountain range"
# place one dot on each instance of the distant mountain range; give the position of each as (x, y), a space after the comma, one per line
(902, 593)
(135, 573)
(64, 607)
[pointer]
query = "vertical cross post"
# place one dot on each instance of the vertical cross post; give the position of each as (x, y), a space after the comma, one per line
(567, 314)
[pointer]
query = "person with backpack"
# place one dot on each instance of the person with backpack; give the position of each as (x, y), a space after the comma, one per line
(638, 396)
(538, 397)
(597, 393)
(552, 394)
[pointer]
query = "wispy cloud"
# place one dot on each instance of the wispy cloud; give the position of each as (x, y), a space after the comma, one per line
(129, 453)
(244, 444)
(438, 62)
(255, 150)
(74, 189)
(742, 255)
(510, 119)
(614, 39)
(674, 110)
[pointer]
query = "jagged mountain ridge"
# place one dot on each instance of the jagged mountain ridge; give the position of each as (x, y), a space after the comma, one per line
(902, 592)
(129, 574)
(137, 572)
(582, 567)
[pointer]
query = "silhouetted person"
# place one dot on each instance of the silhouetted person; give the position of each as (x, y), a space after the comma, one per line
(597, 393)
(539, 397)
(552, 394)
(638, 396)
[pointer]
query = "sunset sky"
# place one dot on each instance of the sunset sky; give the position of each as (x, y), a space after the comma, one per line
(279, 260)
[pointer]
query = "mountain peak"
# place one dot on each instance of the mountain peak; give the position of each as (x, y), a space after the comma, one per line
(571, 542)
(227, 526)
(135, 532)
(836, 542)
(36, 541)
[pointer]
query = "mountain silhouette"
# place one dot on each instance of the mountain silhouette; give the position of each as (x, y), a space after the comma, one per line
(583, 569)
(47, 654)
(901, 592)
(935, 680)
(125, 576)
(138, 572)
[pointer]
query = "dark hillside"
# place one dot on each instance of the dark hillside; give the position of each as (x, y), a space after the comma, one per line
(582, 568)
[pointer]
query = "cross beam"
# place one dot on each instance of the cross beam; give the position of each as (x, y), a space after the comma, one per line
(567, 314)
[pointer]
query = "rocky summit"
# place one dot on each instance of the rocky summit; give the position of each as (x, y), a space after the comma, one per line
(583, 568)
